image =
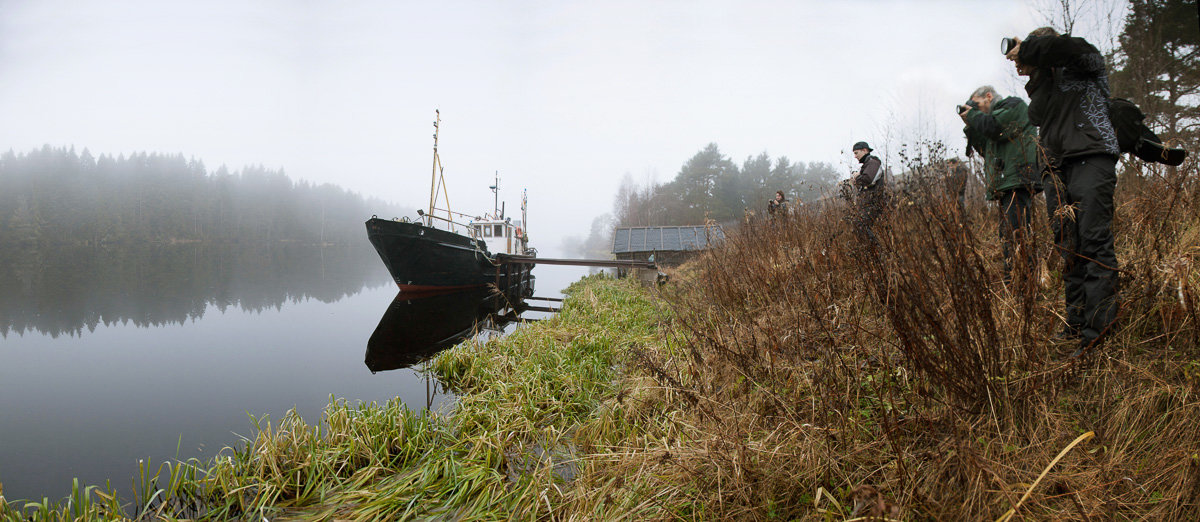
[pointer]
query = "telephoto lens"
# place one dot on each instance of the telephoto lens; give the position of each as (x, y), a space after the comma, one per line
(1007, 44)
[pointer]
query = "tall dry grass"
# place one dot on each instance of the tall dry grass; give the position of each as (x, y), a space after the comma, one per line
(816, 372)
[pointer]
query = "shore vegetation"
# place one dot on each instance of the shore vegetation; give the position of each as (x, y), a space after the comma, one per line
(798, 371)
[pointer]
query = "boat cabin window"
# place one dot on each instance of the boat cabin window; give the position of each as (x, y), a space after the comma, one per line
(487, 231)
(499, 230)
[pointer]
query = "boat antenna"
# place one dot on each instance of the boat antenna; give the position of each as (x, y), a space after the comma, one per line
(496, 197)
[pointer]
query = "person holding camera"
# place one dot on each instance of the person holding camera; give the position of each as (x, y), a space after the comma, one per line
(870, 187)
(1069, 103)
(870, 184)
(998, 129)
(778, 205)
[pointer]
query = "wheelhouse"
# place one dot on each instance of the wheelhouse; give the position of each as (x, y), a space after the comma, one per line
(501, 236)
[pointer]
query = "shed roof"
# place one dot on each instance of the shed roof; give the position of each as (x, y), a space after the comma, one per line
(664, 239)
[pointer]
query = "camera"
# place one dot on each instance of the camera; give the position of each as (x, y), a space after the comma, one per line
(959, 109)
(1007, 44)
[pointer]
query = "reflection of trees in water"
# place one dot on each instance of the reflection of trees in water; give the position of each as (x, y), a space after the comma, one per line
(68, 289)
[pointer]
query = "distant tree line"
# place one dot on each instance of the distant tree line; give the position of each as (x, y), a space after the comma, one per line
(711, 186)
(57, 196)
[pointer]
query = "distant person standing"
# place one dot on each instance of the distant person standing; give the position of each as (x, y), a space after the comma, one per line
(955, 179)
(998, 128)
(777, 206)
(870, 184)
(1069, 97)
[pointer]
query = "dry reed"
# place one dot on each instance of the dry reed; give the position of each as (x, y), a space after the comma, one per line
(814, 371)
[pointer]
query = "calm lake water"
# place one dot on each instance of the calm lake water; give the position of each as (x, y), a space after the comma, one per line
(158, 353)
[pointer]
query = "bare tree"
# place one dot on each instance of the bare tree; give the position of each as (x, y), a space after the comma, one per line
(1098, 21)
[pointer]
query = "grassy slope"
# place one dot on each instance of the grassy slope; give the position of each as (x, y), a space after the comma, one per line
(828, 377)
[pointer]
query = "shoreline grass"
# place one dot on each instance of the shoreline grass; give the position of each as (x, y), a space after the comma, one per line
(507, 449)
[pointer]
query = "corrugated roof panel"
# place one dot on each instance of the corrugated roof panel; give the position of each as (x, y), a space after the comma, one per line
(687, 239)
(665, 239)
(670, 236)
(621, 241)
(637, 239)
(654, 239)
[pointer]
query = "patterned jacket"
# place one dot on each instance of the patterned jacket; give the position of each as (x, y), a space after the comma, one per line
(1068, 93)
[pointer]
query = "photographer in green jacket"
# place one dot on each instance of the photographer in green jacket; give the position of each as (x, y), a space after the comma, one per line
(999, 130)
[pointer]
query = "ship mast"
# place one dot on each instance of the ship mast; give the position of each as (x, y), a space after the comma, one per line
(437, 176)
(433, 176)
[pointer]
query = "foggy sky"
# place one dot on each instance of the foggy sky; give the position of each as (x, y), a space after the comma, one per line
(562, 98)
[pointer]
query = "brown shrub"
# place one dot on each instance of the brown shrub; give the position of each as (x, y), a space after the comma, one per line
(810, 362)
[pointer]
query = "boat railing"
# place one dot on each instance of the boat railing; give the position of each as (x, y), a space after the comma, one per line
(469, 230)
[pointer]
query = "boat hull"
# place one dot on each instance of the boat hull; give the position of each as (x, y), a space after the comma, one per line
(425, 260)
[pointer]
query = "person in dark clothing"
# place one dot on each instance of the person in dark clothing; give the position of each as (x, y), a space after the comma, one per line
(871, 185)
(955, 180)
(999, 130)
(1068, 91)
(778, 205)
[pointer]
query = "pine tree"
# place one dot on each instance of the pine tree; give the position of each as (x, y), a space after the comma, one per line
(1158, 66)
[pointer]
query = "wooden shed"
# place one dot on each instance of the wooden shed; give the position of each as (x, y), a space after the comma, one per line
(670, 246)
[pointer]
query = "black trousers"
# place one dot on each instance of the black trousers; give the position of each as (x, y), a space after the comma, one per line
(1016, 218)
(1079, 201)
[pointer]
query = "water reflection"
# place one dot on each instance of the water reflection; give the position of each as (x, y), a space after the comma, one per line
(414, 328)
(67, 290)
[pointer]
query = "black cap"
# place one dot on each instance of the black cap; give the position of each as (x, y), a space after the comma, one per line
(862, 145)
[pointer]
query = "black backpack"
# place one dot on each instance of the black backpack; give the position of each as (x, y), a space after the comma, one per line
(1134, 137)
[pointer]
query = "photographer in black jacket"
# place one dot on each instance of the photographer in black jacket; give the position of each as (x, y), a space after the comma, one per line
(1068, 91)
